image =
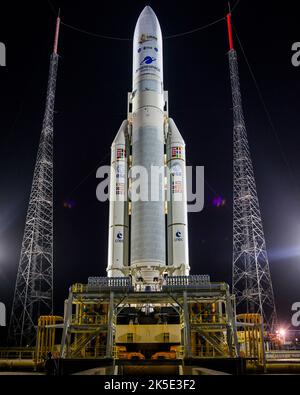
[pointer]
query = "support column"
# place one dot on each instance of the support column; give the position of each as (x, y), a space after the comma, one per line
(110, 327)
(65, 342)
(231, 327)
(186, 328)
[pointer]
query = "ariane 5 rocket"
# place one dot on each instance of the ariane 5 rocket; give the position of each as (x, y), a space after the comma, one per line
(148, 230)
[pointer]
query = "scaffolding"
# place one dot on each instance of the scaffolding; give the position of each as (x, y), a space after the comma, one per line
(251, 339)
(46, 341)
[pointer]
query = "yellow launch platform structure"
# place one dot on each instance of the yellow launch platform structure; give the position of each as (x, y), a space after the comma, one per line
(188, 320)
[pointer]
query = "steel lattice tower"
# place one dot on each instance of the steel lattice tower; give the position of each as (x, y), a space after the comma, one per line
(33, 294)
(251, 278)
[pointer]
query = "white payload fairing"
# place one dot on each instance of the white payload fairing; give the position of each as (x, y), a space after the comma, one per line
(148, 235)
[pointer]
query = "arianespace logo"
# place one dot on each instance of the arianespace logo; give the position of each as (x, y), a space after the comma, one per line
(147, 60)
(178, 236)
(119, 238)
(146, 37)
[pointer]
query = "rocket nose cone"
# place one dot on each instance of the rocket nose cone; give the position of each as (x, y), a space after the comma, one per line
(148, 22)
(147, 47)
(148, 11)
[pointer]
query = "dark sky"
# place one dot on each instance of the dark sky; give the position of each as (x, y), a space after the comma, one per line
(93, 80)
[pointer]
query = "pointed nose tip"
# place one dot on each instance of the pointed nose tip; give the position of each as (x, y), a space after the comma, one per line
(148, 21)
(147, 10)
(148, 14)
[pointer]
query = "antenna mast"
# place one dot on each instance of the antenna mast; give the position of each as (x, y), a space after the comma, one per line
(251, 278)
(33, 294)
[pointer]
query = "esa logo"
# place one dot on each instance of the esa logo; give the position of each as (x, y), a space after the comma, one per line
(176, 171)
(296, 56)
(147, 48)
(178, 236)
(120, 171)
(119, 238)
(296, 316)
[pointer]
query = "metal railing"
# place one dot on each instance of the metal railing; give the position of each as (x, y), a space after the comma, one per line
(89, 319)
(17, 353)
(188, 280)
(205, 318)
(96, 283)
(283, 354)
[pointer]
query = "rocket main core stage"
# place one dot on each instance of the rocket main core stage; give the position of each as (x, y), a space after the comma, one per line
(148, 237)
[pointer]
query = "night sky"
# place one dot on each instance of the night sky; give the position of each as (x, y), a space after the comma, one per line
(94, 77)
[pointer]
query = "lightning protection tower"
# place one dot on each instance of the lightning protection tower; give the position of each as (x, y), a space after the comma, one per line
(33, 294)
(251, 278)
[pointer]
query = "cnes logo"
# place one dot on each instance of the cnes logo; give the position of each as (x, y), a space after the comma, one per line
(2, 55)
(2, 314)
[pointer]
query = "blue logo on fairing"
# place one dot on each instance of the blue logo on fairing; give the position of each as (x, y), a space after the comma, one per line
(119, 236)
(148, 60)
(178, 236)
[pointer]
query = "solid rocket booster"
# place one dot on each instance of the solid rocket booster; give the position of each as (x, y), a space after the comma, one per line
(118, 206)
(178, 253)
(148, 237)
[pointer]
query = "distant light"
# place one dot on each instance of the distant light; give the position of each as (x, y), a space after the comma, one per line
(282, 332)
(69, 204)
(219, 201)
